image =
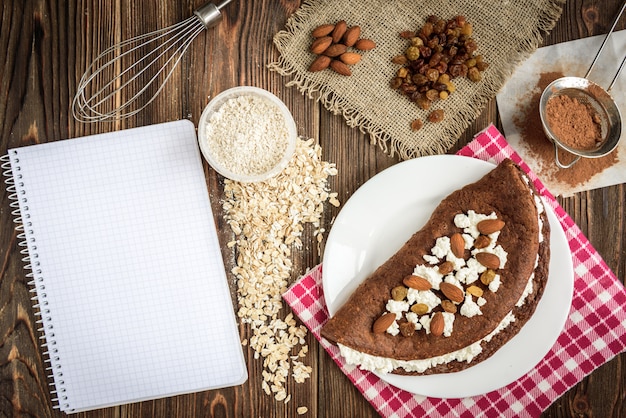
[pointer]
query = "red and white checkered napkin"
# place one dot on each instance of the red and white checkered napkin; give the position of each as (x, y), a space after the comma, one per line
(594, 332)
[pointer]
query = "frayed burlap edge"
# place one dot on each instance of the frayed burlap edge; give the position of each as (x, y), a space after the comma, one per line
(378, 136)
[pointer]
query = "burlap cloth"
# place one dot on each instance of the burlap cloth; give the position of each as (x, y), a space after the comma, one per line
(507, 32)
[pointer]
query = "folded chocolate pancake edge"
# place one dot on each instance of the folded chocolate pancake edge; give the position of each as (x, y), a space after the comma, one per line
(438, 305)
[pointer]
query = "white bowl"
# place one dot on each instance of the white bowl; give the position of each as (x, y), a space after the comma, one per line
(215, 104)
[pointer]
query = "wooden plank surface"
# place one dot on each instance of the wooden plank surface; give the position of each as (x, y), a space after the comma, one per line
(46, 45)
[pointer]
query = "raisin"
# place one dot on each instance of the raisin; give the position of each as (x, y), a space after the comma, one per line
(416, 65)
(402, 72)
(442, 67)
(482, 65)
(474, 75)
(412, 53)
(440, 26)
(417, 124)
(420, 308)
(436, 116)
(432, 94)
(471, 46)
(433, 42)
(427, 29)
(419, 79)
(432, 74)
(435, 59)
(425, 51)
(448, 306)
(467, 29)
(454, 70)
(398, 293)
(396, 83)
(487, 276)
(423, 102)
(417, 41)
(408, 88)
(407, 329)
(446, 268)
(399, 59)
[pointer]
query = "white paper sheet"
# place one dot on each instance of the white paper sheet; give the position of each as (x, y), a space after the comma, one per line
(569, 59)
(127, 266)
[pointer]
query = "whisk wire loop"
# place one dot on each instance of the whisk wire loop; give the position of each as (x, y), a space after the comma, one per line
(165, 48)
(109, 89)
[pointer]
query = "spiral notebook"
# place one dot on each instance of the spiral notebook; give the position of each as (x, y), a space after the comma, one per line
(126, 266)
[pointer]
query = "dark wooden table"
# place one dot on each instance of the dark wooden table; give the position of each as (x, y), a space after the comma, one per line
(46, 44)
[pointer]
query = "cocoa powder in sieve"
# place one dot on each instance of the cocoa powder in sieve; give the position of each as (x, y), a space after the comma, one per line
(574, 123)
(540, 148)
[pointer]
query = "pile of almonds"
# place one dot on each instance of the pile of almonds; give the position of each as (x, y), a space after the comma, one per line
(336, 47)
(438, 52)
(453, 295)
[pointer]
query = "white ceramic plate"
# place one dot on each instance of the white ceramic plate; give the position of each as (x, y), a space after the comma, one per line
(382, 215)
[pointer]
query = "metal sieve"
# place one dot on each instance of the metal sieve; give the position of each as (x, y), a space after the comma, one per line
(588, 93)
(591, 94)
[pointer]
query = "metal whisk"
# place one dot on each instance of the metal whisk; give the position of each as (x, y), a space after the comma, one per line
(127, 77)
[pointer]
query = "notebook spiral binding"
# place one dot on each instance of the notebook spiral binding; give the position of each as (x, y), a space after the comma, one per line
(36, 281)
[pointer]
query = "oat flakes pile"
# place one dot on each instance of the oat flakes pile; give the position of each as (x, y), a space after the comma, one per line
(268, 219)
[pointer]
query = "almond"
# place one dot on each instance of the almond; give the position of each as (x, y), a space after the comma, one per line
(335, 50)
(322, 30)
(351, 35)
(482, 241)
(365, 44)
(339, 31)
(416, 282)
(320, 44)
(452, 292)
(350, 58)
(321, 63)
(340, 68)
(437, 324)
(446, 267)
(400, 59)
(457, 245)
(489, 226)
(382, 323)
(489, 260)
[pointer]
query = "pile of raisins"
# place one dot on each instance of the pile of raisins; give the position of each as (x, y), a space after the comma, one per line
(438, 52)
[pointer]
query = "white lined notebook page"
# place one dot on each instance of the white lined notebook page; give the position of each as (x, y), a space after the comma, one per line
(131, 272)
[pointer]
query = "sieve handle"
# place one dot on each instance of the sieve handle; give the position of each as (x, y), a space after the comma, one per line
(606, 38)
(558, 162)
(621, 67)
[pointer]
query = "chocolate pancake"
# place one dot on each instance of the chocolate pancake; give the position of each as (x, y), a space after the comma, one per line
(458, 289)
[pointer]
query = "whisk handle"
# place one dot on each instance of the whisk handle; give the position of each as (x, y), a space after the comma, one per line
(210, 14)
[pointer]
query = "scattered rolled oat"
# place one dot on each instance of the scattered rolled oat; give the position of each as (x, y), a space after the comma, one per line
(302, 410)
(268, 220)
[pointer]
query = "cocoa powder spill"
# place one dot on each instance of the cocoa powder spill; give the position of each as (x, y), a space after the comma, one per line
(541, 148)
(574, 123)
